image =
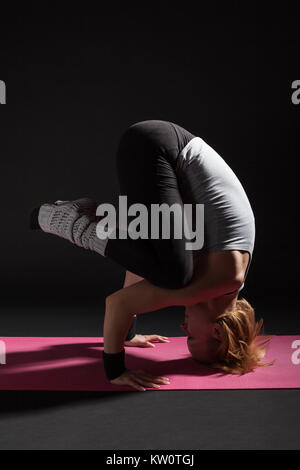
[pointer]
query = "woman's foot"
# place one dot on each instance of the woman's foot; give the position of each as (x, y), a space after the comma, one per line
(34, 216)
(58, 218)
(75, 221)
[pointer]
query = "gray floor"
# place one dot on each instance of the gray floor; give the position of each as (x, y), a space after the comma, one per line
(237, 419)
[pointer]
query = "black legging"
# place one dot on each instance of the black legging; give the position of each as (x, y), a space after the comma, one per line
(146, 159)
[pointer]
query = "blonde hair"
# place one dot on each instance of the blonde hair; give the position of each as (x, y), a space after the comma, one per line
(241, 349)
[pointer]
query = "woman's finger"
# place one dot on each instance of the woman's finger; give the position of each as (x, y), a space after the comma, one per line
(156, 337)
(135, 385)
(146, 383)
(163, 339)
(149, 377)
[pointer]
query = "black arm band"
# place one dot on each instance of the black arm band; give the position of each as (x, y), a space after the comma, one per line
(114, 364)
(132, 330)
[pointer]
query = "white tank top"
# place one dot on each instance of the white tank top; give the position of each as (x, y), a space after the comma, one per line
(205, 178)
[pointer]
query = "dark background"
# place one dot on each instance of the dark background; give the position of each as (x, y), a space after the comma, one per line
(74, 83)
(75, 80)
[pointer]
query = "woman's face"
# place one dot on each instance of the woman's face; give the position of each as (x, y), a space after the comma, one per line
(200, 329)
(200, 325)
(204, 334)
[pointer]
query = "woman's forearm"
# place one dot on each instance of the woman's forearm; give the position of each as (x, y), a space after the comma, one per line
(144, 297)
(123, 305)
(117, 322)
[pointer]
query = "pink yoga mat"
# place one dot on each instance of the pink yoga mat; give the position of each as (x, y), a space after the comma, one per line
(76, 364)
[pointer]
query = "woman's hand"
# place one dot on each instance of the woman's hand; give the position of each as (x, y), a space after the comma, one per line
(144, 341)
(139, 379)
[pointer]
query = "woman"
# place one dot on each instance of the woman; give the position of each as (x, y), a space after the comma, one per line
(159, 162)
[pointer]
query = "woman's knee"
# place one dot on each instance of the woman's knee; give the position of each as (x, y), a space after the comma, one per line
(131, 278)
